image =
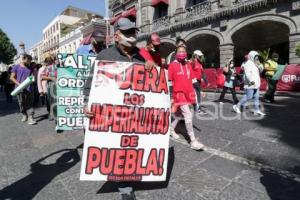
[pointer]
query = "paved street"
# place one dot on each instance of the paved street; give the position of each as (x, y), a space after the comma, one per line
(246, 158)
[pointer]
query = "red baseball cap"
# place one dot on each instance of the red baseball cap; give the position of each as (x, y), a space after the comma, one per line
(155, 39)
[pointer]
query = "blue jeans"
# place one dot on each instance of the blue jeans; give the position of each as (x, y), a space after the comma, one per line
(250, 94)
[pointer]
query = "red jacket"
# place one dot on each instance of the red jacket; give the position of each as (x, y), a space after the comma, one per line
(197, 69)
(151, 57)
(181, 76)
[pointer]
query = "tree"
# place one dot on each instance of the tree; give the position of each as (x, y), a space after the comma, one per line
(7, 49)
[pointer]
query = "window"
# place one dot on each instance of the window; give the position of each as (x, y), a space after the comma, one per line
(161, 10)
(190, 3)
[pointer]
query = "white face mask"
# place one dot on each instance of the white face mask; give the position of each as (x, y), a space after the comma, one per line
(128, 41)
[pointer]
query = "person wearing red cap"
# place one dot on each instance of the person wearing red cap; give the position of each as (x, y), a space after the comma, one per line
(151, 52)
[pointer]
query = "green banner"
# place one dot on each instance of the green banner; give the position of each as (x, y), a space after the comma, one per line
(279, 72)
(72, 73)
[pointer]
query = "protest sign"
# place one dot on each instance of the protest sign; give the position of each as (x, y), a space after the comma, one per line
(72, 73)
(128, 139)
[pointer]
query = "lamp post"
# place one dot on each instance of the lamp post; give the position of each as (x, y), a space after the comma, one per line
(22, 47)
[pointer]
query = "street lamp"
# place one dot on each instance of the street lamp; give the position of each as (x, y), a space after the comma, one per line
(22, 47)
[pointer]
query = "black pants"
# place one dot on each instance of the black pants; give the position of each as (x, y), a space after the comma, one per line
(272, 85)
(232, 90)
(8, 88)
(197, 87)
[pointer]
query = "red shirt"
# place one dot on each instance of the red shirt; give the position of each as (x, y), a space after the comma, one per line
(197, 69)
(151, 57)
(181, 76)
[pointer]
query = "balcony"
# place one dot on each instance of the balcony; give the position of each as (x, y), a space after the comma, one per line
(161, 23)
(207, 11)
(199, 10)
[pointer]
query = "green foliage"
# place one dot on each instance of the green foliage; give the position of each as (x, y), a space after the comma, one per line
(7, 49)
(264, 54)
(298, 50)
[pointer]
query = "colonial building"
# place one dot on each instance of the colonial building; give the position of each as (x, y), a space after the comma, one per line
(36, 52)
(67, 21)
(222, 29)
(95, 28)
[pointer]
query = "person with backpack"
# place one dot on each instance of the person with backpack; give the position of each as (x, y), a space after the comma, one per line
(231, 77)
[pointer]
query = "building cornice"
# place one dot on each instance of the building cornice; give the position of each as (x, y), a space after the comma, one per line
(221, 13)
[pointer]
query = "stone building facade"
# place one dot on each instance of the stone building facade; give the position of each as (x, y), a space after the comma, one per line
(222, 29)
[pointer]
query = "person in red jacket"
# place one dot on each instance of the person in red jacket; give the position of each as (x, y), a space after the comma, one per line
(151, 52)
(181, 77)
(199, 74)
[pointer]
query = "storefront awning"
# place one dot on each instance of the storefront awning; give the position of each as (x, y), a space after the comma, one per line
(156, 2)
(114, 19)
(130, 13)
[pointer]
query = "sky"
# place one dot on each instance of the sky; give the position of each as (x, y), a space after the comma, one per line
(24, 20)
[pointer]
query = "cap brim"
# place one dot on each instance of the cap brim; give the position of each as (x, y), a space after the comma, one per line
(128, 28)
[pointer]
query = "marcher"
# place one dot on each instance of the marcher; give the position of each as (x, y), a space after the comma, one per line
(92, 46)
(20, 73)
(271, 67)
(172, 56)
(231, 77)
(36, 95)
(125, 50)
(51, 76)
(252, 82)
(198, 71)
(43, 83)
(181, 77)
(164, 63)
(151, 53)
(9, 86)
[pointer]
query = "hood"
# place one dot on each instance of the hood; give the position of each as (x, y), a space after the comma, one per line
(252, 55)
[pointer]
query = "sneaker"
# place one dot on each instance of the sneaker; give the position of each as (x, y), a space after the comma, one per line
(174, 135)
(24, 118)
(31, 121)
(236, 109)
(129, 196)
(196, 145)
(259, 113)
(201, 112)
(266, 100)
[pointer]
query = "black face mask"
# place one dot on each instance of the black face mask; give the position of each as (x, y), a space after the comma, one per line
(157, 48)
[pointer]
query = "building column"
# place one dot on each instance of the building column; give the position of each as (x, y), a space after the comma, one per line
(294, 41)
(226, 53)
(147, 13)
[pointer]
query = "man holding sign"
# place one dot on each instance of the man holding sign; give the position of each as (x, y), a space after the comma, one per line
(125, 50)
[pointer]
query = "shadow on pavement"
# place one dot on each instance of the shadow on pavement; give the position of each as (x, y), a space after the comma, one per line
(283, 117)
(41, 175)
(279, 186)
(109, 187)
(8, 108)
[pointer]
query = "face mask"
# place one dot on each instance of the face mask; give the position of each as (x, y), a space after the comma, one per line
(128, 41)
(181, 57)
